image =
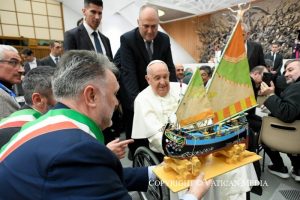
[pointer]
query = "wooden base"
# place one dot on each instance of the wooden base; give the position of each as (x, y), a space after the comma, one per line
(212, 167)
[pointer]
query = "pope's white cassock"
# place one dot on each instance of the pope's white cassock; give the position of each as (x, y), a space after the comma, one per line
(152, 112)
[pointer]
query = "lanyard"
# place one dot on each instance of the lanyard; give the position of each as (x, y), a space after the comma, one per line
(10, 92)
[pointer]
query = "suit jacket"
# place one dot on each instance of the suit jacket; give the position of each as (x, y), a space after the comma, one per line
(255, 54)
(134, 60)
(27, 66)
(78, 38)
(8, 104)
(47, 61)
(277, 63)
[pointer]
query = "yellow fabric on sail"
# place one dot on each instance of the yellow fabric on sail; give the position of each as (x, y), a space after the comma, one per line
(230, 91)
(194, 106)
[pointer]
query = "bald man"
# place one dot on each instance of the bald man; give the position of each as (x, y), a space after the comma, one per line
(138, 47)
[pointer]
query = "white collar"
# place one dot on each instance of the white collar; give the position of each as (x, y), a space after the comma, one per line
(89, 29)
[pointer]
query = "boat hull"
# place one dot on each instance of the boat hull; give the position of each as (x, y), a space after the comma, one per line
(179, 144)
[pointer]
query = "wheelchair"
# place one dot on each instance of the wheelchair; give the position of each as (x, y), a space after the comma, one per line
(144, 157)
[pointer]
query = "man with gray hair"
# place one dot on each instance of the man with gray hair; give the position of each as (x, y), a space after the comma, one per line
(38, 99)
(62, 154)
(11, 71)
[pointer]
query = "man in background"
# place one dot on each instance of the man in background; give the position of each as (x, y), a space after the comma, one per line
(275, 57)
(254, 50)
(54, 56)
(11, 71)
(179, 72)
(87, 36)
(30, 60)
(138, 47)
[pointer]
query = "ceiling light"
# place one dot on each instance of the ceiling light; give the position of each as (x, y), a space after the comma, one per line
(161, 13)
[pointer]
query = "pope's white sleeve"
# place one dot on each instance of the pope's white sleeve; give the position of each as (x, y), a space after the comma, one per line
(155, 142)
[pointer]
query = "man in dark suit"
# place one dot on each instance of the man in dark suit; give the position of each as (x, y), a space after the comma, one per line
(87, 36)
(276, 58)
(254, 50)
(138, 47)
(54, 56)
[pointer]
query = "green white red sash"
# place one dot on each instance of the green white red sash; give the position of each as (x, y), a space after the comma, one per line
(19, 118)
(54, 120)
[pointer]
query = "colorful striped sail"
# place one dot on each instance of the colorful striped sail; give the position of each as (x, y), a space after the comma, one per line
(194, 106)
(230, 91)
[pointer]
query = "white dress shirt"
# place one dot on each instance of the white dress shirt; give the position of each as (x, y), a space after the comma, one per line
(90, 31)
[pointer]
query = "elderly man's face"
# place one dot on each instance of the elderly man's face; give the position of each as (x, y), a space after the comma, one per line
(148, 24)
(179, 72)
(11, 69)
(292, 72)
(158, 79)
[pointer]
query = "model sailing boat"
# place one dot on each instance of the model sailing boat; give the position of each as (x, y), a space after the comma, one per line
(212, 119)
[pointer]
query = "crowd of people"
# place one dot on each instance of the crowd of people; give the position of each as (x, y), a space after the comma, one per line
(61, 143)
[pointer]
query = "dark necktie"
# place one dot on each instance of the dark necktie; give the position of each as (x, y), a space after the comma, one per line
(56, 60)
(148, 48)
(97, 42)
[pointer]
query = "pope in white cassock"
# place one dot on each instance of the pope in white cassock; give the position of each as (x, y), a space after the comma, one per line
(156, 105)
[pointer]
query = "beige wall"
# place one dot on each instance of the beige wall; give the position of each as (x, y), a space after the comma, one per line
(185, 33)
(36, 19)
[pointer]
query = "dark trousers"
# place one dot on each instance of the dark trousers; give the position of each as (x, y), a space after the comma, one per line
(277, 160)
(128, 120)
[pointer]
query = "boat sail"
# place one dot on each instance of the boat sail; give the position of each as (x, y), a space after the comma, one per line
(227, 97)
(195, 105)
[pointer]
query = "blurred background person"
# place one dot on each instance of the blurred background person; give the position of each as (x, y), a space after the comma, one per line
(179, 72)
(56, 51)
(206, 73)
(29, 60)
(276, 58)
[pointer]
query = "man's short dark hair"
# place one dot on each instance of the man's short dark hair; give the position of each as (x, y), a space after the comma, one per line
(96, 2)
(276, 43)
(52, 43)
(27, 52)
